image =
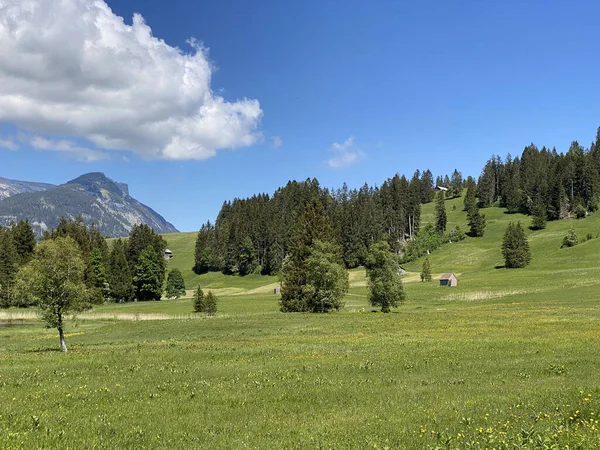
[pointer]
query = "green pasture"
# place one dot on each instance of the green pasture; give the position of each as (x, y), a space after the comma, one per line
(506, 360)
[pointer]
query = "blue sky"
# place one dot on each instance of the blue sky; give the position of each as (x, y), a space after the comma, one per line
(349, 91)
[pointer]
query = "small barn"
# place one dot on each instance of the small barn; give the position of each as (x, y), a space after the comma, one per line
(448, 279)
(277, 290)
(168, 254)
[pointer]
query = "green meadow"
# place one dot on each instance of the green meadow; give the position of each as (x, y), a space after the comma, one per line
(507, 359)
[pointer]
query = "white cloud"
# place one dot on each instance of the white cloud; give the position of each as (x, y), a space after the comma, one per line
(347, 153)
(276, 142)
(8, 144)
(68, 147)
(74, 68)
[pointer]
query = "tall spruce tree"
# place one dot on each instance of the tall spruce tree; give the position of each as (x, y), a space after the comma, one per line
(9, 260)
(515, 247)
(24, 240)
(456, 184)
(149, 275)
(476, 222)
(313, 225)
(441, 219)
(426, 270)
(119, 274)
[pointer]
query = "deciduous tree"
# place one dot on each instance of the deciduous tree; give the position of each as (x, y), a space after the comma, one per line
(385, 285)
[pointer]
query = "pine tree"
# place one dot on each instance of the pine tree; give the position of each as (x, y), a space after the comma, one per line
(314, 225)
(204, 248)
(426, 270)
(198, 299)
(149, 275)
(100, 287)
(385, 284)
(456, 184)
(24, 239)
(540, 216)
(470, 202)
(119, 274)
(8, 267)
(515, 248)
(210, 304)
(175, 284)
(476, 223)
(441, 218)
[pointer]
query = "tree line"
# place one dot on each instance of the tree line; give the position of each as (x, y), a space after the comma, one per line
(255, 234)
(130, 269)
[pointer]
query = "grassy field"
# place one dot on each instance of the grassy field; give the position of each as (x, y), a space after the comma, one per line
(508, 359)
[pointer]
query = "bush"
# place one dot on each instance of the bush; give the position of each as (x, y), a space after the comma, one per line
(580, 211)
(570, 240)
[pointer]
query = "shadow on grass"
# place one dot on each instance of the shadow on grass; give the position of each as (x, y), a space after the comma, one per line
(498, 266)
(45, 350)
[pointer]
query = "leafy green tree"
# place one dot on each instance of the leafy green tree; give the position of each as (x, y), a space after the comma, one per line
(210, 304)
(24, 240)
(198, 299)
(385, 285)
(326, 278)
(53, 280)
(8, 267)
(571, 239)
(426, 270)
(149, 275)
(515, 248)
(441, 219)
(456, 234)
(247, 257)
(119, 274)
(175, 284)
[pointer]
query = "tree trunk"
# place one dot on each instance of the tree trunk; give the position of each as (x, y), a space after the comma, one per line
(61, 335)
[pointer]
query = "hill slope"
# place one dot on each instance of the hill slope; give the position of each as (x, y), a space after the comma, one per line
(95, 197)
(8, 188)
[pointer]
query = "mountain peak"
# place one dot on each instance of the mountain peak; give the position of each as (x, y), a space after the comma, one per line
(94, 181)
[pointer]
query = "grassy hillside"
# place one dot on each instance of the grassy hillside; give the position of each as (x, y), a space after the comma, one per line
(505, 360)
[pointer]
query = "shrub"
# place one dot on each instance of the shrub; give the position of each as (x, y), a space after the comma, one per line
(570, 240)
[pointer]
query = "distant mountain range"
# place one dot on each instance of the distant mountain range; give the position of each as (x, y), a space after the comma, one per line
(93, 196)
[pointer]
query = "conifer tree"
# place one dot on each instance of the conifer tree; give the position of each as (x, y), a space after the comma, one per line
(456, 184)
(8, 267)
(210, 304)
(476, 222)
(540, 216)
(426, 270)
(470, 202)
(24, 239)
(198, 299)
(100, 287)
(515, 248)
(175, 284)
(441, 218)
(314, 225)
(119, 275)
(149, 275)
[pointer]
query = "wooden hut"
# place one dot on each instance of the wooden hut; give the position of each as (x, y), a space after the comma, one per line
(448, 279)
